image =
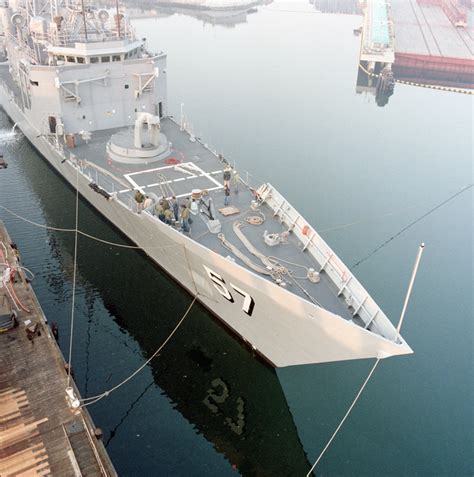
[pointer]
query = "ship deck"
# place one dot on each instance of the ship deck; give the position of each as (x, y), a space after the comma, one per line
(206, 173)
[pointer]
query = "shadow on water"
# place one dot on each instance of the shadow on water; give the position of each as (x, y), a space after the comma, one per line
(227, 395)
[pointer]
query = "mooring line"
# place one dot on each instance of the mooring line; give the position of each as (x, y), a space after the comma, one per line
(404, 229)
(346, 415)
(85, 234)
(74, 274)
(93, 399)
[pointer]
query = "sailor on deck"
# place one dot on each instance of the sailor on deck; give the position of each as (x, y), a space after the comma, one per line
(139, 199)
(184, 216)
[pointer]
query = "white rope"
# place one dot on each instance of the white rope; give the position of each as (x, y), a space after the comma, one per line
(370, 219)
(346, 415)
(73, 283)
(303, 289)
(274, 267)
(98, 397)
(229, 246)
(6, 251)
(84, 234)
(5, 285)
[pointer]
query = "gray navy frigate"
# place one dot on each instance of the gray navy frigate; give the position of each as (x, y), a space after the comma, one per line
(91, 98)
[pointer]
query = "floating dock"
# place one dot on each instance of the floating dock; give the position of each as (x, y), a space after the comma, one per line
(40, 433)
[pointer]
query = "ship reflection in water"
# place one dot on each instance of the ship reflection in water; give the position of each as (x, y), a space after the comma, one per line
(224, 392)
(350, 7)
(228, 15)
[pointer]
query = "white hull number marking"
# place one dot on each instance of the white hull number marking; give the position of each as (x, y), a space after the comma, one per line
(219, 285)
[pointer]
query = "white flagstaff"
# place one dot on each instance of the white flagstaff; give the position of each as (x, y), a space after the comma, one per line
(410, 286)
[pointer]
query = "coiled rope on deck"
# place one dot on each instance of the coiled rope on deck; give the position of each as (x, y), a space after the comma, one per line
(7, 280)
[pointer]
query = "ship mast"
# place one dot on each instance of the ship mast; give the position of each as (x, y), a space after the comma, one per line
(118, 19)
(84, 19)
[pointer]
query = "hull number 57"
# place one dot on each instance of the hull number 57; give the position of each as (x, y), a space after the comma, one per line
(220, 285)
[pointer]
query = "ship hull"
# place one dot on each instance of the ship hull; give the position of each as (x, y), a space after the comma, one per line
(284, 328)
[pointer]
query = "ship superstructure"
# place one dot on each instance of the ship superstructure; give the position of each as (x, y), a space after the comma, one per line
(92, 99)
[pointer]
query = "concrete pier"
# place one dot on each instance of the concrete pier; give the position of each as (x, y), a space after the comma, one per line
(40, 433)
(429, 41)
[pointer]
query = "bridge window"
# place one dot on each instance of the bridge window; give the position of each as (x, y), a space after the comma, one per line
(94, 59)
(70, 59)
(105, 59)
(116, 58)
(80, 59)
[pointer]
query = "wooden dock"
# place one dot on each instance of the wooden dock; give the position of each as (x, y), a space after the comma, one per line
(40, 434)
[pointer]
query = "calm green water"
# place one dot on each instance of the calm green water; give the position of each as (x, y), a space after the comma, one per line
(277, 95)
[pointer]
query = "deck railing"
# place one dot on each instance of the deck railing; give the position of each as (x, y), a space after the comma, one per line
(24, 48)
(355, 295)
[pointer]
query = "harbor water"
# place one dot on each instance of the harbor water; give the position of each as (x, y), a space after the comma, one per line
(276, 95)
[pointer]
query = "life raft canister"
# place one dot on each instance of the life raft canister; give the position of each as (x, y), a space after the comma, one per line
(306, 230)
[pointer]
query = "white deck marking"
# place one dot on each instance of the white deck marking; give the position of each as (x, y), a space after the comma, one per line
(134, 184)
(178, 168)
(151, 170)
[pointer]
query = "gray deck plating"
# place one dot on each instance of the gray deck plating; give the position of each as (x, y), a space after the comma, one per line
(122, 179)
(184, 150)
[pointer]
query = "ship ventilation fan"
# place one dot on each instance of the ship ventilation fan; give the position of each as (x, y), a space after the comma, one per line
(103, 16)
(18, 20)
